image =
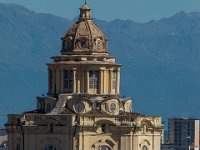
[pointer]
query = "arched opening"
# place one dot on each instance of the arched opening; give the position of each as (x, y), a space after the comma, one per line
(83, 44)
(68, 81)
(144, 147)
(104, 147)
(99, 43)
(94, 77)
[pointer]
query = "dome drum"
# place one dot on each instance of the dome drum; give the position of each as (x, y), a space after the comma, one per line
(88, 78)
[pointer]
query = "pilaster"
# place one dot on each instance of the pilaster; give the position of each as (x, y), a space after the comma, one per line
(78, 81)
(62, 81)
(111, 79)
(53, 81)
(87, 81)
(57, 81)
(74, 80)
(118, 82)
(102, 81)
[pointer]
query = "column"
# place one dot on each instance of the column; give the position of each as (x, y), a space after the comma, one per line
(81, 81)
(118, 81)
(104, 80)
(111, 79)
(101, 80)
(62, 80)
(57, 81)
(74, 80)
(87, 82)
(53, 81)
(60, 72)
(78, 81)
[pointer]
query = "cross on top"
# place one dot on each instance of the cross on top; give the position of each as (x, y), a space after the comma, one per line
(85, 2)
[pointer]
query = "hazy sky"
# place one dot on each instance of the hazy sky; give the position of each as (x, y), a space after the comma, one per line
(136, 10)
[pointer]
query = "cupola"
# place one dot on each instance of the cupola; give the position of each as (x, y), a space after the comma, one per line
(84, 67)
(85, 13)
(84, 37)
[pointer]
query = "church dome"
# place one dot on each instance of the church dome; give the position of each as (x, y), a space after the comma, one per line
(84, 37)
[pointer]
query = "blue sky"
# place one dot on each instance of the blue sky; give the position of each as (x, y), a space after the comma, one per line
(136, 10)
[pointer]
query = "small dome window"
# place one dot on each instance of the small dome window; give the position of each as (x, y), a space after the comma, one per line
(144, 147)
(83, 44)
(98, 43)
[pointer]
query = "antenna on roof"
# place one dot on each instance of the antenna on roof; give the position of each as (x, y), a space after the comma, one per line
(85, 2)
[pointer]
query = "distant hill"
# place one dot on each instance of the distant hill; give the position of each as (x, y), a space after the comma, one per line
(161, 60)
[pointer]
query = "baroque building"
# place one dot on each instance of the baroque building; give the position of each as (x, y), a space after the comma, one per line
(83, 109)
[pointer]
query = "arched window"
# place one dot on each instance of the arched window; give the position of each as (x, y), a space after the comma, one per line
(104, 147)
(103, 128)
(94, 81)
(68, 81)
(83, 44)
(98, 43)
(114, 80)
(144, 147)
(50, 147)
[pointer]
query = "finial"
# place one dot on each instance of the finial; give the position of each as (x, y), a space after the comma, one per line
(85, 12)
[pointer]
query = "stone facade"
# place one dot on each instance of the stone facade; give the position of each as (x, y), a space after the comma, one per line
(83, 109)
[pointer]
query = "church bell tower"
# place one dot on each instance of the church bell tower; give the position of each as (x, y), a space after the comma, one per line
(83, 109)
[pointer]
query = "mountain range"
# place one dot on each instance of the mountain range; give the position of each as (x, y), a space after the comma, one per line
(160, 60)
